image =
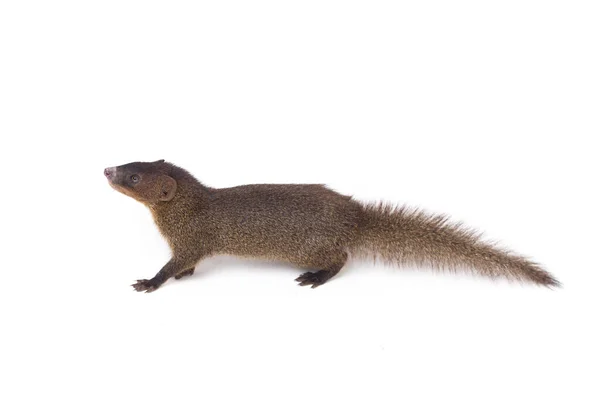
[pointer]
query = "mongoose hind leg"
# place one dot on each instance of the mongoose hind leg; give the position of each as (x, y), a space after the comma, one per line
(315, 279)
(187, 272)
(333, 266)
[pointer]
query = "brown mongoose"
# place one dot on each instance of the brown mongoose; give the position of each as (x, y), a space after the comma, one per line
(308, 225)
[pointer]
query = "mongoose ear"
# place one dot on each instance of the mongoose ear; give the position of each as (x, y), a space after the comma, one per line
(168, 187)
(158, 162)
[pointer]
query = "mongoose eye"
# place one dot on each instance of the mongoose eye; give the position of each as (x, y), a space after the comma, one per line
(134, 178)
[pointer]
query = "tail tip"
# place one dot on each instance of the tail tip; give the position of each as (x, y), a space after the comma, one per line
(549, 281)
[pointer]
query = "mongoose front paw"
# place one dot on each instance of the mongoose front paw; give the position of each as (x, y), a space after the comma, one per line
(187, 272)
(313, 278)
(145, 285)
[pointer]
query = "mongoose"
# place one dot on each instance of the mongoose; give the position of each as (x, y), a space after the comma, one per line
(307, 225)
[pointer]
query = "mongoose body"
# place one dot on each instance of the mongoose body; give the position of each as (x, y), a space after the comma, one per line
(280, 222)
(308, 225)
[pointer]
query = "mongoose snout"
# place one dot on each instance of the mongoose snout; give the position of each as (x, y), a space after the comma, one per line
(110, 172)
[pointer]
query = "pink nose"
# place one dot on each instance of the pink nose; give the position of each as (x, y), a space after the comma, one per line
(109, 172)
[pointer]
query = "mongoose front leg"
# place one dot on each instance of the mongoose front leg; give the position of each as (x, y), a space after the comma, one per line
(187, 272)
(174, 268)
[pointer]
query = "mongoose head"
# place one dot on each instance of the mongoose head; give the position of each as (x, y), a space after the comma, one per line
(147, 182)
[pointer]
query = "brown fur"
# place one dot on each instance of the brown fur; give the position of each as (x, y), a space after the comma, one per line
(307, 225)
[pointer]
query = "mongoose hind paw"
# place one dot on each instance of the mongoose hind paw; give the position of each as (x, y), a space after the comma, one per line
(144, 285)
(315, 279)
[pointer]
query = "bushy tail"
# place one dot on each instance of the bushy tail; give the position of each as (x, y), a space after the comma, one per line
(403, 235)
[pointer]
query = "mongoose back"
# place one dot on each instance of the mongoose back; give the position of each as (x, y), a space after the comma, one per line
(310, 226)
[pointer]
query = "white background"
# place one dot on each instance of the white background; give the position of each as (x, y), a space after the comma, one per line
(487, 111)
